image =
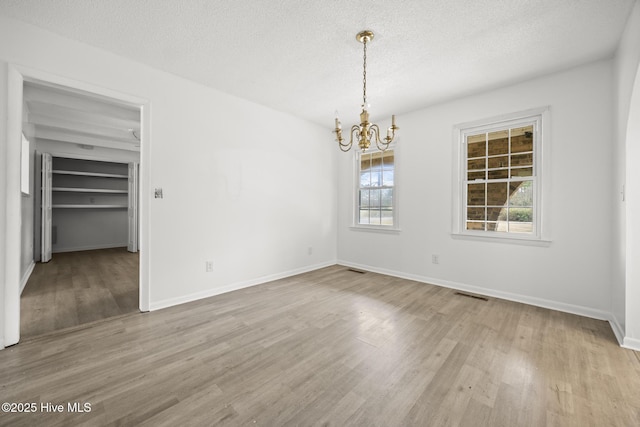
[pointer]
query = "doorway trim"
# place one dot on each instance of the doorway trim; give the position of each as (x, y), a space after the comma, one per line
(631, 338)
(17, 75)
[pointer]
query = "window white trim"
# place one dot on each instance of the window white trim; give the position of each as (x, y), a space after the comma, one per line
(375, 228)
(356, 189)
(542, 190)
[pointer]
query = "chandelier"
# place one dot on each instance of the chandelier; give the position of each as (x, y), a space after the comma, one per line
(365, 132)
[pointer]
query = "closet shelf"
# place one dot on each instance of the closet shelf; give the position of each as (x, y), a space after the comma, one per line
(89, 190)
(80, 206)
(81, 173)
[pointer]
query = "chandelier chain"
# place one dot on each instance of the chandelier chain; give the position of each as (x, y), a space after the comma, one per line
(364, 76)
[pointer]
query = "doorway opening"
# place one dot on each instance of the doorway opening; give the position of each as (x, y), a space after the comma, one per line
(85, 183)
(79, 128)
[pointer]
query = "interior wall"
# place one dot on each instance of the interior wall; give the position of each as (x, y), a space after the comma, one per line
(572, 273)
(27, 223)
(625, 282)
(4, 78)
(248, 188)
(253, 199)
(88, 230)
(28, 226)
(11, 205)
(632, 298)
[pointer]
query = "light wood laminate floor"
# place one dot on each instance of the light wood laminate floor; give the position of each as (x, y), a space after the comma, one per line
(331, 348)
(75, 288)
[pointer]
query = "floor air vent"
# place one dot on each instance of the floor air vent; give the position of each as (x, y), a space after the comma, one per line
(472, 296)
(356, 271)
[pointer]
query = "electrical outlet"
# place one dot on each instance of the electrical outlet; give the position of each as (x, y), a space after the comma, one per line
(209, 266)
(435, 259)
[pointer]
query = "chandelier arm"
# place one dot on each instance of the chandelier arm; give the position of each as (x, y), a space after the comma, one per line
(382, 145)
(390, 136)
(347, 146)
(374, 132)
(344, 146)
(355, 131)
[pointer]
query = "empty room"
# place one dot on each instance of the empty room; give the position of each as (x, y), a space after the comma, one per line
(401, 213)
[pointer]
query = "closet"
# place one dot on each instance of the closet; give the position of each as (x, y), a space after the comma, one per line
(87, 204)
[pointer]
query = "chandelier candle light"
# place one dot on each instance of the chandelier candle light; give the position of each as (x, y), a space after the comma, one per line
(365, 132)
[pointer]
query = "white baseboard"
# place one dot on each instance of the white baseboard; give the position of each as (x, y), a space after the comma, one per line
(25, 277)
(625, 342)
(157, 305)
(538, 302)
(617, 329)
(631, 343)
(89, 248)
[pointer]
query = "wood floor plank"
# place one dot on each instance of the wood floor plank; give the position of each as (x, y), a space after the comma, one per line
(76, 288)
(325, 348)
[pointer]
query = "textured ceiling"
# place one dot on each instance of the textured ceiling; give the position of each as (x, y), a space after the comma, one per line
(301, 56)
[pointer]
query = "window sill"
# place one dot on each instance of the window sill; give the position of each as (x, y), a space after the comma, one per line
(514, 240)
(376, 228)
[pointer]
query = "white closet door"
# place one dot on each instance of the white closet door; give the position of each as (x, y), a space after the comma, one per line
(46, 207)
(133, 208)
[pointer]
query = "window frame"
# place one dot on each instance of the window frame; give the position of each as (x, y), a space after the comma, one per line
(356, 194)
(539, 118)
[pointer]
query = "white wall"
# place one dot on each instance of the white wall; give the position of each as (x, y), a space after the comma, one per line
(27, 224)
(246, 187)
(251, 190)
(626, 279)
(3, 193)
(572, 273)
(632, 297)
(629, 95)
(88, 229)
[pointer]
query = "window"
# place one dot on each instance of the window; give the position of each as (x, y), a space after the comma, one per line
(500, 178)
(375, 197)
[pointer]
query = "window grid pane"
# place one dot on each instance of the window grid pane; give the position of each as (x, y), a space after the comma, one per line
(375, 193)
(500, 180)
